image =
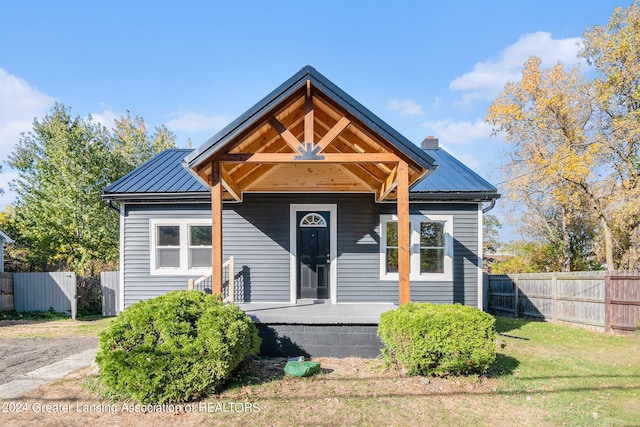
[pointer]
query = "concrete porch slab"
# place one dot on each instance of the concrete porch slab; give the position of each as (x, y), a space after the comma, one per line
(316, 314)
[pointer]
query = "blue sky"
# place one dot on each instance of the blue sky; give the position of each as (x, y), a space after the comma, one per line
(424, 67)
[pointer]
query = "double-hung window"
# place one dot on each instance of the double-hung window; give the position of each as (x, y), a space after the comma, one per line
(180, 247)
(431, 247)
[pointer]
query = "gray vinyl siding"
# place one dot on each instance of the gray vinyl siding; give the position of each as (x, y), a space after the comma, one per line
(139, 284)
(360, 258)
(256, 232)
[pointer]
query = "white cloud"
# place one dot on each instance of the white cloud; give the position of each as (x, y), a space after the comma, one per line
(436, 103)
(470, 160)
(188, 121)
(106, 118)
(487, 79)
(449, 131)
(20, 103)
(406, 107)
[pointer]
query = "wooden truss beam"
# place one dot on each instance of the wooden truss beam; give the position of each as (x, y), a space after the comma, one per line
(333, 133)
(266, 158)
(308, 115)
(285, 133)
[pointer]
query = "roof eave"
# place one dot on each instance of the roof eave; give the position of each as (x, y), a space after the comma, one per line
(123, 197)
(479, 196)
(5, 238)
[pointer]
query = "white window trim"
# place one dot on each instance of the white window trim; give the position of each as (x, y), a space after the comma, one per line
(415, 219)
(184, 269)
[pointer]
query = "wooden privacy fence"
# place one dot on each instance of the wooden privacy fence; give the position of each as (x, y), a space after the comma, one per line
(6, 292)
(602, 301)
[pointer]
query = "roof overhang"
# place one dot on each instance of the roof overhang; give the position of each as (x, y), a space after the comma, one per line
(445, 196)
(308, 136)
(4, 238)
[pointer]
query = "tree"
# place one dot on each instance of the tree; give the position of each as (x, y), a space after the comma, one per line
(63, 166)
(547, 118)
(490, 233)
(614, 51)
(528, 257)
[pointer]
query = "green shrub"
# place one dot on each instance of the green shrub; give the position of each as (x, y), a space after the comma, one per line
(431, 339)
(174, 348)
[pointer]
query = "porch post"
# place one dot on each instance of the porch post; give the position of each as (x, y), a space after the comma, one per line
(404, 237)
(216, 228)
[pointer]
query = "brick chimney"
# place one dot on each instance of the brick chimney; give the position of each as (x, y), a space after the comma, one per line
(430, 143)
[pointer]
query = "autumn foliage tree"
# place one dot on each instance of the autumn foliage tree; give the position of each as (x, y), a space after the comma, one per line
(546, 118)
(59, 219)
(573, 161)
(614, 51)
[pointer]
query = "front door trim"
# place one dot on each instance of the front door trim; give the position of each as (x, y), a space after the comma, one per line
(293, 248)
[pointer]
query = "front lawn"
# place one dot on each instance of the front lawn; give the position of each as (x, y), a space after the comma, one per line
(546, 374)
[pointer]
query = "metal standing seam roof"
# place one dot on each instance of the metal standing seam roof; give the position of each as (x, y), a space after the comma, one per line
(452, 177)
(164, 174)
(255, 113)
(161, 174)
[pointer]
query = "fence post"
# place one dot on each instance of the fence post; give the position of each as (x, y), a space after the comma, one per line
(607, 303)
(516, 289)
(190, 285)
(554, 296)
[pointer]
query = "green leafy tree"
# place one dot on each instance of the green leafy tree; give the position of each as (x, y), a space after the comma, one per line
(490, 233)
(64, 163)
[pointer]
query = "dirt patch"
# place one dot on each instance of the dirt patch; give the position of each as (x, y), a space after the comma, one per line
(21, 355)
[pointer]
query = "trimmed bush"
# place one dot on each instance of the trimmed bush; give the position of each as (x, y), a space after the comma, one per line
(438, 339)
(177, 347)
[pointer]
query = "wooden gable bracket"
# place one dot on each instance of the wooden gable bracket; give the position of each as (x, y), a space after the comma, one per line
(230, 185)
(388, 185)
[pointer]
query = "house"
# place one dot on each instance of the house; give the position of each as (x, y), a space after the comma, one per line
(3, 239)
(305, 192)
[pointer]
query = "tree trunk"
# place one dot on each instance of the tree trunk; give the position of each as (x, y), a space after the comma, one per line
(633, 248)
(608, 245)
(566, 242)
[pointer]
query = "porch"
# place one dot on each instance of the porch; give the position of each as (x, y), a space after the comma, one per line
(312, 329)
(314, 313)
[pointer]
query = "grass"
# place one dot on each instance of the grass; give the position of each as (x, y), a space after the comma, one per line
(50, 325)
(545, 374)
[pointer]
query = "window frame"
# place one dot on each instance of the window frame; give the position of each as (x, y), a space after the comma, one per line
(415, 221)
(185, 246)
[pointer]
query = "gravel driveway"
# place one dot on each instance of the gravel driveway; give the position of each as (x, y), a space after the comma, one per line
(21, 355)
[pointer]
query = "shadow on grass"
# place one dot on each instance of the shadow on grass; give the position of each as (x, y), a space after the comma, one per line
(510, 324)
(503, 366)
